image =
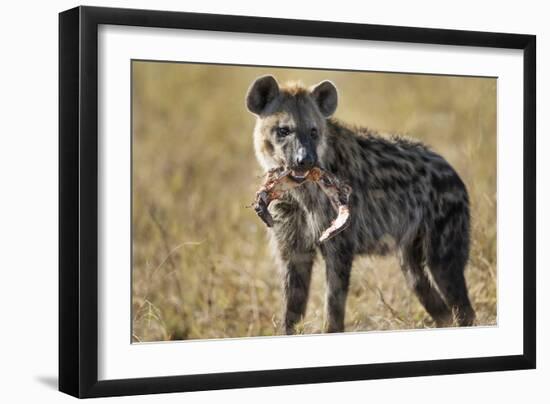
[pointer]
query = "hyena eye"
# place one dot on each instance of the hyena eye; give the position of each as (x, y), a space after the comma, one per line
(283, 131)
(314, 133)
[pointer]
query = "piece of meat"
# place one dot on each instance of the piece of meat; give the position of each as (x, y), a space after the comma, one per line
(279, 181)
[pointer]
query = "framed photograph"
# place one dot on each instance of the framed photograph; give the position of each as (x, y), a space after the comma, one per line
(251, 201)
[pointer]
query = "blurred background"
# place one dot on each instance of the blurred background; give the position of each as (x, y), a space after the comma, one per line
(202, 266)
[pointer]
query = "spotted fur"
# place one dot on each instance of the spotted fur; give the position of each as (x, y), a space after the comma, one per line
(406, 199)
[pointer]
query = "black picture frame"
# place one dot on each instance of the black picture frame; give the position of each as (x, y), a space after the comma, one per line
(78, 200)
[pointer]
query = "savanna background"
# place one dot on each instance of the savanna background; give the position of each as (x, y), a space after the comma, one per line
(202, 267)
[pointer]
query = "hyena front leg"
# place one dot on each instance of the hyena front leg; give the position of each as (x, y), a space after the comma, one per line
(295, 249)
(338, 269)
(296, 281)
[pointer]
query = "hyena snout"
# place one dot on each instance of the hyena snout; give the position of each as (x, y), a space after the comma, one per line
(305, 159)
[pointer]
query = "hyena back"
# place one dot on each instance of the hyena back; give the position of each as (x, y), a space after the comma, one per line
(406, 199)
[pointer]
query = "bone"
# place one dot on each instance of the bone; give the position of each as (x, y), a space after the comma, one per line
(279, 181)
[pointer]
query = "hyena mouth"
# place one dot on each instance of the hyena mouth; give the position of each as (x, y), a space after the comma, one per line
(299, 176)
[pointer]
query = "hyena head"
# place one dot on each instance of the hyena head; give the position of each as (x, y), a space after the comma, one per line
(291, 124)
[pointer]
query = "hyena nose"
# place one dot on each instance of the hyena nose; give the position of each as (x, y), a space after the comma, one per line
(304, 159)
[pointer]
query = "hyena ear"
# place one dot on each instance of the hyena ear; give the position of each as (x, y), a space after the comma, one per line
(326, 97)
(264, 90)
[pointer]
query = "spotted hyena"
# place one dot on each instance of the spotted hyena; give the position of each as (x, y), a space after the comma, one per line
(406, 199)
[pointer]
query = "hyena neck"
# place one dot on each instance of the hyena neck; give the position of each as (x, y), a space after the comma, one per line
(345, 154)
(356, 154)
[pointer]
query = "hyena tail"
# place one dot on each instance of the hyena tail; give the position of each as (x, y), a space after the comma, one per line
(434, 263)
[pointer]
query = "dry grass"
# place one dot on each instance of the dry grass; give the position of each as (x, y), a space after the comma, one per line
(201, 263)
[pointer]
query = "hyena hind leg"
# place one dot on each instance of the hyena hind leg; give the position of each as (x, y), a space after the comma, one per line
(452, 284)
(412, 265)
(447, 258)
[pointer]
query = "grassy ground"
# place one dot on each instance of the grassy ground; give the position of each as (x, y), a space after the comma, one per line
(201, 263)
